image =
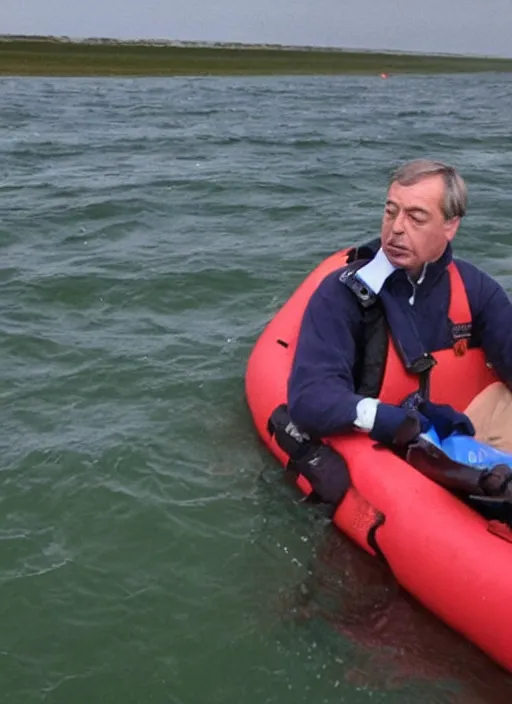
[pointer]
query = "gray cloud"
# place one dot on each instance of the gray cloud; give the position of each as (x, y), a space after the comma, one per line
(461, 26)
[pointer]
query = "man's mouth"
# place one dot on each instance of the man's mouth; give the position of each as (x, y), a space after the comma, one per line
(397, 248)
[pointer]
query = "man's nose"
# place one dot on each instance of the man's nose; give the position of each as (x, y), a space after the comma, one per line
(398, 223)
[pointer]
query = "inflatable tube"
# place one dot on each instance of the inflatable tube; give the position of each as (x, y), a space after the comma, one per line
(444, 553)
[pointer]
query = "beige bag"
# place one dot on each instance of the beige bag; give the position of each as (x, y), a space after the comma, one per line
(491, 414)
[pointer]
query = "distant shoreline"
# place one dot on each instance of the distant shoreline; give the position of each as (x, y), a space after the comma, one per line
(65, 56)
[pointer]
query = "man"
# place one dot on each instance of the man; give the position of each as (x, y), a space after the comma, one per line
(407, 273)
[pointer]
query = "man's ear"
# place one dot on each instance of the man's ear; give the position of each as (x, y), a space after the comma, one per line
(450, 228)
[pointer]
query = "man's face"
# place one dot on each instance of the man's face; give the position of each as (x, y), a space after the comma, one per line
(414, 230)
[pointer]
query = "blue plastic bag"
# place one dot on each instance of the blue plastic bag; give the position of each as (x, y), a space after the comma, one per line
(464, 449)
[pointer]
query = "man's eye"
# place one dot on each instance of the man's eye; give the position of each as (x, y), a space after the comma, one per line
(390, 213)
(419, 219)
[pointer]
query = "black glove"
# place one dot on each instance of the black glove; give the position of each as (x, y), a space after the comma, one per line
(446, 419)
(324, 468)
(497, 481)
(326, 471)
(397, 426)
(288, 436)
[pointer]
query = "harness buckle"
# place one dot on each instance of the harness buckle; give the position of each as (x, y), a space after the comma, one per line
(363, 293)
(422, 364)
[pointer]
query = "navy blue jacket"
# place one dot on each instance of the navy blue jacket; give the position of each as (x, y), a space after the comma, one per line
(321, 396)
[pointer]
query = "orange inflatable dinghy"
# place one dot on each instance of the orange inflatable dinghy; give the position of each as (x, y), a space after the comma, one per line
(444, 553)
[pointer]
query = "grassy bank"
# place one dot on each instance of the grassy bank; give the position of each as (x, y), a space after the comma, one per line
(49, 57)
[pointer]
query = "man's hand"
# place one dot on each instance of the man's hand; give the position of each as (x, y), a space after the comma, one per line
(396, 426)
(446, 420)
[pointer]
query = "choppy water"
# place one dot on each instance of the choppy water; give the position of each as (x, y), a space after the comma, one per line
(148, 230)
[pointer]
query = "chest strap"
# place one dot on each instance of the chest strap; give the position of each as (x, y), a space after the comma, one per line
(459, 312)
(459, 317)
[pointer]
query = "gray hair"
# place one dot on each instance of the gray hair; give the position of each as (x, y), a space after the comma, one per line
(455, 191)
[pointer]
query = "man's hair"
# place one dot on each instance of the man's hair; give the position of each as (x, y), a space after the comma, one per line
(455, 191)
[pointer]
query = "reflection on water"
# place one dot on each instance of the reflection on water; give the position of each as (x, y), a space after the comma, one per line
(401, 640)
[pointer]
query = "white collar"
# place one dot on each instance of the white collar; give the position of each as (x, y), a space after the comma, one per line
(375, 273)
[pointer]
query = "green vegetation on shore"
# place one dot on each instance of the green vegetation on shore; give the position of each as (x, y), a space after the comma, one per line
(50, 56)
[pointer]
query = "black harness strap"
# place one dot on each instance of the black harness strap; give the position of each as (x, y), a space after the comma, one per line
(371, 364)
(374, 351)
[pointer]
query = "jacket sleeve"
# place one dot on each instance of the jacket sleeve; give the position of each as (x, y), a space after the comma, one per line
(492, 320)
(321, 396)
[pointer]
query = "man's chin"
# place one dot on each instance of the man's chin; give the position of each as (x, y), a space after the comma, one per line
(399, 258)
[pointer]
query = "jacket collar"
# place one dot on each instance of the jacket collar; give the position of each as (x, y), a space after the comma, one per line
(431, 274)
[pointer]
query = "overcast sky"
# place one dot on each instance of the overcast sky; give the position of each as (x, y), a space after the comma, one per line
(454, 26)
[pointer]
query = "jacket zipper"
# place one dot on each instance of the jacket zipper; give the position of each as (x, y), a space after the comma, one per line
(417, 283)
